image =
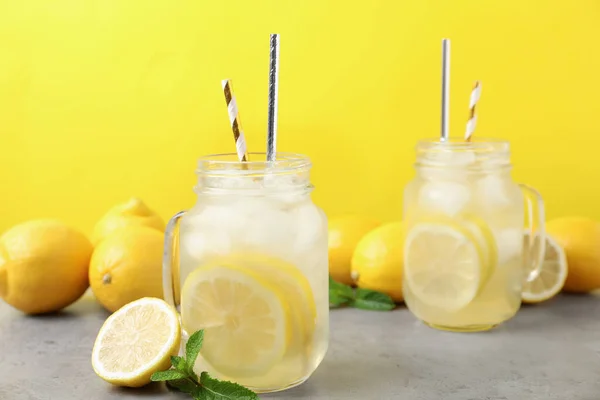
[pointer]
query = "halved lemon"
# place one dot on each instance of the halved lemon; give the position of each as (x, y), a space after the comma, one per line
(135, 341)
(245, 318)
(446, 263)
(552, 276)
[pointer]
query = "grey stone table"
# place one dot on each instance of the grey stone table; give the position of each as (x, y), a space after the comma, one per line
(550, 352)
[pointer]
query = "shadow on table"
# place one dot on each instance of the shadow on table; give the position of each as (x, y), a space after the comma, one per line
(57, 315)
(349, 375)
(150, 390)
(83, 306)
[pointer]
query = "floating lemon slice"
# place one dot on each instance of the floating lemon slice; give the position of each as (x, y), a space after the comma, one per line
(485, 237)
(446, 262)
(292, 282)
(552, 276)
(244, 316)
(136, 341)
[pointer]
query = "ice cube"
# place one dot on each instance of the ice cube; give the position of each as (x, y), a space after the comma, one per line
(443, 196)
(447, 165)
(227, 182)
(270, 231)
(289, 201)
(197, 245)
(207, 232)
(509, 242)
(309, 224)
(271, 180)
(493, 191)
(452, 158)
(288, 189)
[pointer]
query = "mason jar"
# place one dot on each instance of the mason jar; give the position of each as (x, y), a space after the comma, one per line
(473, 235)
(252, 270)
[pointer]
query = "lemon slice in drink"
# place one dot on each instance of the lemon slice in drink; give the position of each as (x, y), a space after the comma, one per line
(244, 316)
(297, 292)
(445, 263)
(485, 237)
(292, 282)
(552, 276)
(135, 341)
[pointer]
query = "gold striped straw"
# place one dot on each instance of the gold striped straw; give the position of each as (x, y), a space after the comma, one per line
(475, 94)
(234, 119)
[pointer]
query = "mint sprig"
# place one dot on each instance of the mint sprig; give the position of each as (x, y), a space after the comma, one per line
(341, 295)
(181, 376)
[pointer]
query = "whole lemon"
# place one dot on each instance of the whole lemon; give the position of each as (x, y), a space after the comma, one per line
(132, 212)
(43, 266)
(126, 266)
(580, 239)
(344, 234)
(378, 260)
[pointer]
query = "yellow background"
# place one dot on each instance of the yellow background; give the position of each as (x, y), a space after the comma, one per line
(103, 100)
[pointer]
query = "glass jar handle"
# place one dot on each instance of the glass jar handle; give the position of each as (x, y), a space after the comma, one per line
(535, 247)
(171, 261)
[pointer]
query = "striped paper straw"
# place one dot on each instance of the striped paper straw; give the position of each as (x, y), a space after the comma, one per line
(234, 119)
(475, 94)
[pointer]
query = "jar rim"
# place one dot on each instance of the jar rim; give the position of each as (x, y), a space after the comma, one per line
(285, 162)
(478, 143)
(478, 155)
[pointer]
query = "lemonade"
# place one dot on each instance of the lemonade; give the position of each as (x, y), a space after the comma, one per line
(253, 272)
(464, 256)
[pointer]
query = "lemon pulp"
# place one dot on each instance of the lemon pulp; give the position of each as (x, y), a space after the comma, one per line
(245, 319)
(136, 341)
(447, 261)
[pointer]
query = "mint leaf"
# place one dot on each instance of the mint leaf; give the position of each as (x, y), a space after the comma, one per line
(179, 363)
(371, 305)
(184, 385)
(340, 289)
(168, 375)
(368, 294)
(214, 389)
(372, 300)
(183, 378)
(335, 300)
(339, 294)
(366, 299)
(192, 349)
